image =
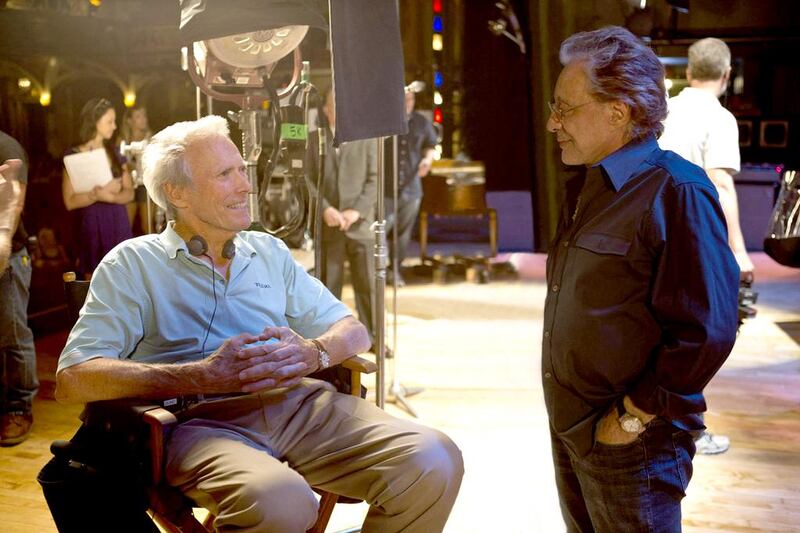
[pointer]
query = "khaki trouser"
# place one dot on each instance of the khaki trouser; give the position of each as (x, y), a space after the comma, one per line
(251, 461)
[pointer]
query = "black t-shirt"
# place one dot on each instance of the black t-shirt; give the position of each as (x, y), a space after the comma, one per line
(11, 149)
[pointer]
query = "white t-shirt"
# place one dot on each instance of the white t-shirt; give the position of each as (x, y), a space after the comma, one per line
(700, 130)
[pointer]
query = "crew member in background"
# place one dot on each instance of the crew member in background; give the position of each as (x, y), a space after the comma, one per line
(18, 379)
(135, 128)
(416, 150)
(348, 210)
(699, 129)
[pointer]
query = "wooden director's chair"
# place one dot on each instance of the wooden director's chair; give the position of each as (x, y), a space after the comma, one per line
(166, 505)
(461, 216)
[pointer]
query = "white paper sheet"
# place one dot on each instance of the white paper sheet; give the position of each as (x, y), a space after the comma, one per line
(87, 169)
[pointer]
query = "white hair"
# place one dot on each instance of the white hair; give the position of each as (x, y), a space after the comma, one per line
(164, 158)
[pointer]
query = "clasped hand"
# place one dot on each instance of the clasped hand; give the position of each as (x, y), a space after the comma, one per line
(241, 365)
(342, 219)
(107, 192)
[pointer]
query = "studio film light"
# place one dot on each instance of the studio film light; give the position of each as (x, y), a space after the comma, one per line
(235, 47)
(241, 61)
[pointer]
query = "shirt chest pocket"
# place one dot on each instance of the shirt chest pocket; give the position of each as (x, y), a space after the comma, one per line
(604, 244)
(602, 262)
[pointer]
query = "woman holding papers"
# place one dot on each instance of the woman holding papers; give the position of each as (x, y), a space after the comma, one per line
(101, 201)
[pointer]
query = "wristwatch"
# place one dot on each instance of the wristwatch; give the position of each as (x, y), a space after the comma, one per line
(323, 359)
(628, 422)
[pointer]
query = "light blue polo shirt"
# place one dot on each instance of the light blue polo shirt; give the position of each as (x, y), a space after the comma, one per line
(150, 301)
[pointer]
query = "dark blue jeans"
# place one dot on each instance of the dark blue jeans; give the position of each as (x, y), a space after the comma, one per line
(407, 211)
(18, 381)
(633, 487)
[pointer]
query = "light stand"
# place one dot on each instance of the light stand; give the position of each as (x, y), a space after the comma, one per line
(398, 393)
(379, 227)
(249, 122)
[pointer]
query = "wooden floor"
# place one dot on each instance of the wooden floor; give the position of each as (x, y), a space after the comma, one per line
(475, 350)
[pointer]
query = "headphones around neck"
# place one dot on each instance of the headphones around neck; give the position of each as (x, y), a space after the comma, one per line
(197, 246)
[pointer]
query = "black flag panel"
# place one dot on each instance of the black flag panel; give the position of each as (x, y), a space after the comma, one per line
(208, 19)
(368, 73)
(367, 52)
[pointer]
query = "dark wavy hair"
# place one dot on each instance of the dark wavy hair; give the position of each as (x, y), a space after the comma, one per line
(92, 111)
(621, 67)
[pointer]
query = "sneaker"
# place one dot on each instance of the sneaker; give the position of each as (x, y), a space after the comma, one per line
(15, 428)
(710, 444)
(390, 276)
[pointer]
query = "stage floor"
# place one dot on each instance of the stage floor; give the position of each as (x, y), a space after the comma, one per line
(476, 351)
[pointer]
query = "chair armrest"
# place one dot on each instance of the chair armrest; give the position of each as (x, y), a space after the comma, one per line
(359, 364)
(129, 413)
(160, 422)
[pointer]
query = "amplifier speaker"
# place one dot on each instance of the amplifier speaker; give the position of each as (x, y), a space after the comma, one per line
(756, 186)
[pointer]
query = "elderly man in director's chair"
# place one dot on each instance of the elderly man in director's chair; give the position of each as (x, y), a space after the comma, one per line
(226, 327)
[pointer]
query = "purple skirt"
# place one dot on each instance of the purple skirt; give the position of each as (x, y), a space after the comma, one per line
(103, 226)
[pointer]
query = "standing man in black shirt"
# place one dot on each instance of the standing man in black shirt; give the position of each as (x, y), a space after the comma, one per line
(415, 151)
(641, 307)
(18, 380)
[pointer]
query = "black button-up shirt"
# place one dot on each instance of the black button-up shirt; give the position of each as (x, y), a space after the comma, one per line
(411, 148)
(642, 293)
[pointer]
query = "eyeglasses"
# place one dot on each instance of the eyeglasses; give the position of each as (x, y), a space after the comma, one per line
(559, 113)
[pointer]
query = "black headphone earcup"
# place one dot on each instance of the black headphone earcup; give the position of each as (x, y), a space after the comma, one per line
(228, 249)
(197, 245)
